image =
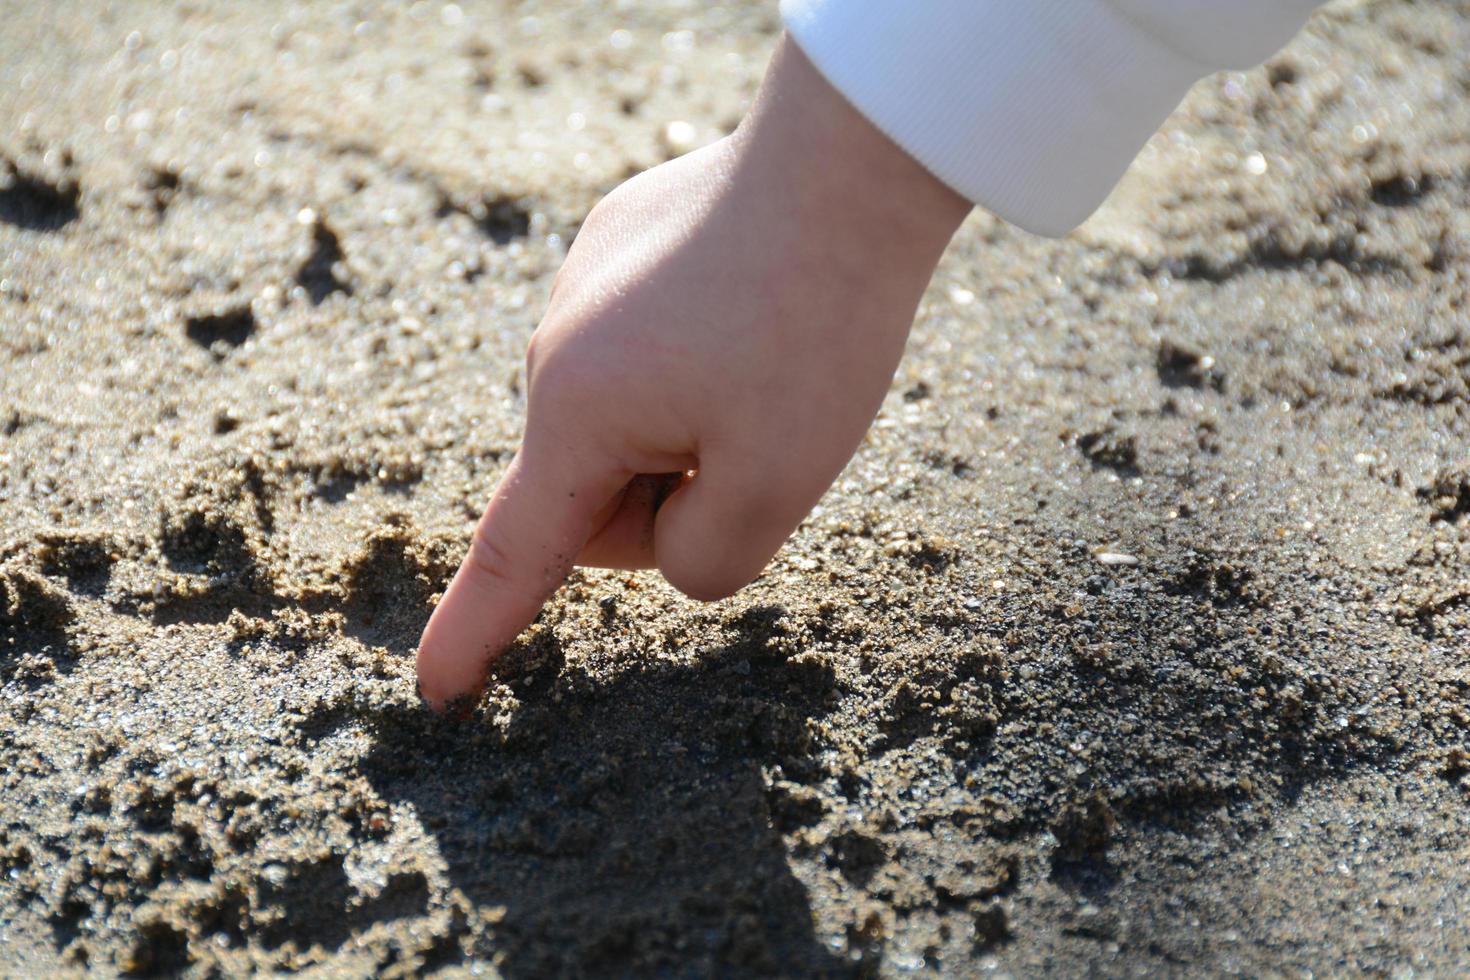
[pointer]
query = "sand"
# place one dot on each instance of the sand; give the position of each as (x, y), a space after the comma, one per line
(1134, 641)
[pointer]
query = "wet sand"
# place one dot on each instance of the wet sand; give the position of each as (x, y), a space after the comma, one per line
(1134, 641)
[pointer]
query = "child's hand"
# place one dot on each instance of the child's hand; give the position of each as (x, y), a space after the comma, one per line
(737, 312)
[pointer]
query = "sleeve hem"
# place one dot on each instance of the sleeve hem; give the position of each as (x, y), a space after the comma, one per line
(1032, 111)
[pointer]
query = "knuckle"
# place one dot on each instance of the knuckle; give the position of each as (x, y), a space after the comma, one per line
(534, 354)
(549, 360)
(564, 379)
(489, 558)
(557, 279)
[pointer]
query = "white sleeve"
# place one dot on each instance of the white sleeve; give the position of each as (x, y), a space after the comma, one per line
(1031, 108)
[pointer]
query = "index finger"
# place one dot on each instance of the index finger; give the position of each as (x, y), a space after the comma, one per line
(540, 516)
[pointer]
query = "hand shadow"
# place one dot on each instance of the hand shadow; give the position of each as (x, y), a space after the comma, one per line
(623, 826)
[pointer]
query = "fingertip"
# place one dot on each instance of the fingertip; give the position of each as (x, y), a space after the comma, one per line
(449, 702)
(456, 708)
(445, 678)
(436, 704)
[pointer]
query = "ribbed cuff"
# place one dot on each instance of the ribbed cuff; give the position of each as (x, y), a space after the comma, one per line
(1030, 109)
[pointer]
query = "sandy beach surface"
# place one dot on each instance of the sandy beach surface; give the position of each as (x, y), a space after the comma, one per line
(1134, 641)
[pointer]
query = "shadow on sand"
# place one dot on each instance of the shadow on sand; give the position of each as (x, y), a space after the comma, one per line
(624, 826)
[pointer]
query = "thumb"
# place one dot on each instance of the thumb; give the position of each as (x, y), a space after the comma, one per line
(538, 519)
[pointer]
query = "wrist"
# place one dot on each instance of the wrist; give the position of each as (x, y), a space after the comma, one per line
(842, 173)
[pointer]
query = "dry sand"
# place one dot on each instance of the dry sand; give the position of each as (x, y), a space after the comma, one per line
(266, 274)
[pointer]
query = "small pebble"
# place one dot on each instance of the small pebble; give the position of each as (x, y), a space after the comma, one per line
(680, 137)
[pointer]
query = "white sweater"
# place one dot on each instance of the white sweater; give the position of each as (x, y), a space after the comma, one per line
(1031, 108)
